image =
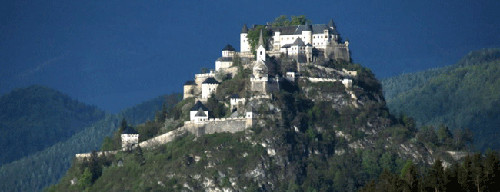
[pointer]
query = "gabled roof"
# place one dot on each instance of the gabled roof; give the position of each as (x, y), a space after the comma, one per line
(210, 80)
(299, 42)
(199, 105)
(228, 48)
(200, 113)
(129, 130)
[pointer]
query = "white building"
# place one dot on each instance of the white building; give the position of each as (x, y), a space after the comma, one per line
(208, 87)
(130, 138)
(321, 38)
(198, 106)
(226, 60)
(236, 101)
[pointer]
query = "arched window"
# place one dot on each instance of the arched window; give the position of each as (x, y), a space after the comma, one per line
(260, 52)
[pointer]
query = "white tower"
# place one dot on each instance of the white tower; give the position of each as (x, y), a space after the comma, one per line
(244, 45)
(261, 51)
(307, 35)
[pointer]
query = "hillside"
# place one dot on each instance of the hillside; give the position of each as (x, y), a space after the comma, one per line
(37, 117)
(289, 112)
(311, 136)
(46, 167)
(464, 95)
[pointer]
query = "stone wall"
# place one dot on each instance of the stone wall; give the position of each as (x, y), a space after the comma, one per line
(218, 125)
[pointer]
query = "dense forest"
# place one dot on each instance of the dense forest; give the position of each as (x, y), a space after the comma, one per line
(476, 173)
(37, 117)
(46, 167)
(462, 96)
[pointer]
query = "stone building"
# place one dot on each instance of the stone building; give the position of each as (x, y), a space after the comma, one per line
(190, 89)
(260, 81)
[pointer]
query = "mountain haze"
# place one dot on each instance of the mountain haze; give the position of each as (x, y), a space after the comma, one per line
(37, 117)
(463, 95)
(41, 169)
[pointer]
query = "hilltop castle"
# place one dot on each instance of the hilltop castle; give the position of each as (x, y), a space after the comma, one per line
(308, 40)
(303, 44)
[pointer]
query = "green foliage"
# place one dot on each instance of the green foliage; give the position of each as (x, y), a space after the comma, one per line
(141, 166)
(464, 95)
(476, 173)
(46, 167)
(253, 37)
(37, 117)
(283, 21)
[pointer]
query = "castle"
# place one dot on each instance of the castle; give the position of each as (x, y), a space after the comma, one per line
(302, 40)
(305, 43)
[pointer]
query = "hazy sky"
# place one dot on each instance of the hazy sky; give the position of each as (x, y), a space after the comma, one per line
(114, 54)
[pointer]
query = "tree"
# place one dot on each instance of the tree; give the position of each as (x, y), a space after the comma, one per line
(123, 125)
(444, 135)
(409, 174)
(436, 176)
(299, 20)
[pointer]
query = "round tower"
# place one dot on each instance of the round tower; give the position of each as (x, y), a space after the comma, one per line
(244, 45)
(307, 34)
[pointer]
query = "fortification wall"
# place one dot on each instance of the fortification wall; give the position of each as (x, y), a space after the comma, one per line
(217, 125)
(162, 139)
(81, 156)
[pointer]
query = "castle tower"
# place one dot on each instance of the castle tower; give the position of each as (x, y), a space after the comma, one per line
(261, 51)
(331, 24)
(244, 45)
(276, 40)
(307, 34)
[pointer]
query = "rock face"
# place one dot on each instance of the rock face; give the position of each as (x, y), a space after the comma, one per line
(320, 135)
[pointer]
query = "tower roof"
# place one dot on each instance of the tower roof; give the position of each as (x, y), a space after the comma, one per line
(308, 28)
(244, 29)
(199, 105)
(200, 113)
(261, 40)
(210, 80)
(129, 130)
(331, 24)
(228, 47)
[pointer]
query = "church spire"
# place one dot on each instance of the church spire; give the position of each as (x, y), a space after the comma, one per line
(331, 24)
(261, 40)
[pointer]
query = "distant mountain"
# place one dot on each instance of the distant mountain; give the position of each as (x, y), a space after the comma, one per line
(37, 117)
(464, 95)
(41, 169)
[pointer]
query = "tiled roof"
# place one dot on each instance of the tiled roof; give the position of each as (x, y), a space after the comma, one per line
(199, 105)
